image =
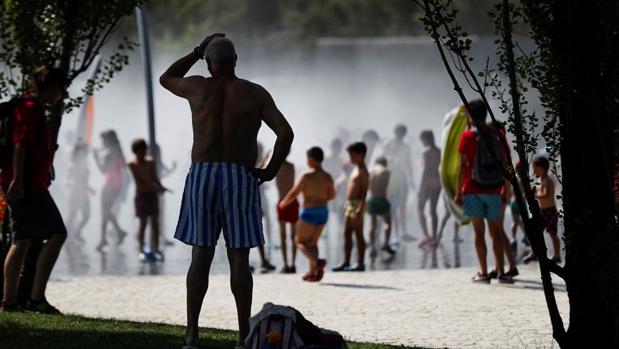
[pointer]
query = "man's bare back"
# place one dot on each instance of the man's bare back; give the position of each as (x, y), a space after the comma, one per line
(226, 117)
(285, 179)
(379, 181)
(358, 183)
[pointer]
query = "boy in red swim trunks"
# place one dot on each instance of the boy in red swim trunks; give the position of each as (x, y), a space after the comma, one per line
(288, 214)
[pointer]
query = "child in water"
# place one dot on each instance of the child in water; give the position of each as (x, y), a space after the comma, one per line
(148, 188)
(79, 189)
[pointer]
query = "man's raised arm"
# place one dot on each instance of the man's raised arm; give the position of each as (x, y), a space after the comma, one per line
(174, 79)
(276, 121)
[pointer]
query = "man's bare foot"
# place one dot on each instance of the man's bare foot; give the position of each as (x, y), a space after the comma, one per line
(191, 339)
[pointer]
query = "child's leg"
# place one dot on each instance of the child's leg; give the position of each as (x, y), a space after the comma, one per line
(556, 246)
(141, 230)
(360, 242)
(293, 233)
(154, 229)
(282, 242)
(421, 204)
(373, 221)
(348, 231)
(433, 212)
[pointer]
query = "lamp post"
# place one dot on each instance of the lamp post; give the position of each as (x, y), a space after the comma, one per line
(148, 79)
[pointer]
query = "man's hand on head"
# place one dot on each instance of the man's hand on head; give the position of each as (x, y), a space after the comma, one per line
(200, 50)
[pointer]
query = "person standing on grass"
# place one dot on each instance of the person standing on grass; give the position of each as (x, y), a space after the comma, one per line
(147, 191)
(480, 187)
(222, 186)
(25, 178)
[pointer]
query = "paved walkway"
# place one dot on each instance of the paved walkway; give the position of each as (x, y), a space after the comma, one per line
(427, 308)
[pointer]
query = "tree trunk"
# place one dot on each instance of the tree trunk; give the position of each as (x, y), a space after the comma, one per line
(584, 45)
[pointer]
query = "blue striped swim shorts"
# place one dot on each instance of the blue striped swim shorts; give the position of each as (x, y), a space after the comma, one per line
(220, 196)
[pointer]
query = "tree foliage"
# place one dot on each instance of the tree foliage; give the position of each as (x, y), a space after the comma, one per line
(180, 22)
(64, 33)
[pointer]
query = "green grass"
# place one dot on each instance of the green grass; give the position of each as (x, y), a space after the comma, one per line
(27, 330)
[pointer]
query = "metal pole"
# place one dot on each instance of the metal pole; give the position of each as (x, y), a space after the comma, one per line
(148, 80)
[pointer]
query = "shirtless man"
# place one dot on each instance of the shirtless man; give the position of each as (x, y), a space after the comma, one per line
(379, 206)
(355, 204)
(147, 191)
(317, 188)
(288, 214)
(430, 187)
(221, 190)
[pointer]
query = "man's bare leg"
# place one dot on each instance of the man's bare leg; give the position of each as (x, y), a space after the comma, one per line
(12, 267)
(480, 243)
(197, 285)
(496, 233)
(241, 283)
(283, 244)
(45, 263)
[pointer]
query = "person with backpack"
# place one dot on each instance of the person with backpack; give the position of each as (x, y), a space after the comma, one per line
(25, 177)
(481, 186)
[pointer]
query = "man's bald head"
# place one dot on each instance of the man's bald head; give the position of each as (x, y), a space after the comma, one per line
(221, 52)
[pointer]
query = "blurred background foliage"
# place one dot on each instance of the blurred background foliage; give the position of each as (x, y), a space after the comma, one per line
(282, 22)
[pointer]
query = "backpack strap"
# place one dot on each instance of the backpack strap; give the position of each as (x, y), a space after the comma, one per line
(287, 334)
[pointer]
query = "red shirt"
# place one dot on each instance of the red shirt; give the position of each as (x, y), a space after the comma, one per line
(468, 147)
(29, 127)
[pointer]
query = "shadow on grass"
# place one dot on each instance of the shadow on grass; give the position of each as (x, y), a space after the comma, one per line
(25, 331)
(28, 330)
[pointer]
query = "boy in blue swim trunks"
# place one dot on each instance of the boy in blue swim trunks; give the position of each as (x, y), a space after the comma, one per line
(316, 185)
(222, 187)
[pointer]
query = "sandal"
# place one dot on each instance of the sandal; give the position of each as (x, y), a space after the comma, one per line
(481, 278)
(43, 307)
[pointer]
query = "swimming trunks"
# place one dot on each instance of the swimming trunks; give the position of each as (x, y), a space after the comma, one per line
(486, 206)
(352, 206)
(315, 215)
(551, 220)
(289, 213)
(218, 196)
(146, 204)
(379, 206)
(514, 208)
